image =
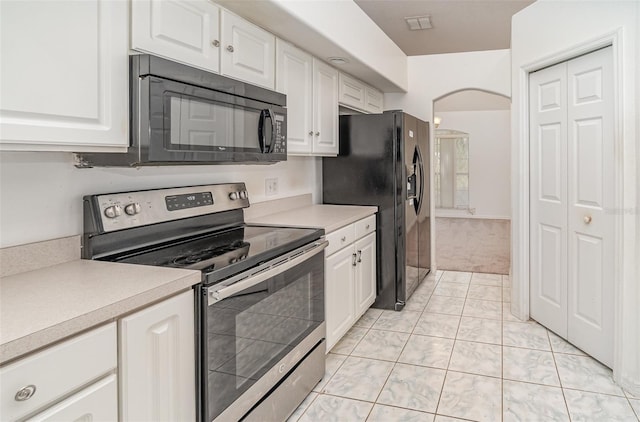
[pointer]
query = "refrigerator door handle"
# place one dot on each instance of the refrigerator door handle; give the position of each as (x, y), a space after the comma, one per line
(417, 159)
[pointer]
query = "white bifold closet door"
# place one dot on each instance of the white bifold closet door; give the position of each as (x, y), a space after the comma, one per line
(571, 202)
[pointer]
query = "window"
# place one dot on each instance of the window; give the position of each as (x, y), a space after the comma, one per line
(451, 169)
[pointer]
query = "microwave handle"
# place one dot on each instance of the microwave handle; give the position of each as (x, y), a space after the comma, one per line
(262, 136)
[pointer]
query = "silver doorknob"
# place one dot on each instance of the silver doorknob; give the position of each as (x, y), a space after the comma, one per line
(587, 219)
(215, 43)
(230, 48)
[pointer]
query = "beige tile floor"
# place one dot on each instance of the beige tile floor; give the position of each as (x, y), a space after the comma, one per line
(456, 353)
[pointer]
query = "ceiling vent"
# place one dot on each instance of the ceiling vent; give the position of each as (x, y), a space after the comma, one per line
(416, 23)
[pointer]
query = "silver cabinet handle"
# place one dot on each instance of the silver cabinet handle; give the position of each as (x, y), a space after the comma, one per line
(25, 393)
(230, 48)
(317, 133)
(353, 260)
(367, 226)
(215, 43)
(310, 132)
(343, 238)
(587, 219)
(359, 256)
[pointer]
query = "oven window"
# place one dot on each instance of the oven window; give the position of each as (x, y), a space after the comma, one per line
(198, 124)
(247, 334)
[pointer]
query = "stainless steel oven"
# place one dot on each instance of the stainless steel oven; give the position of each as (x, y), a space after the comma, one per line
(183, 115)
(261, 329)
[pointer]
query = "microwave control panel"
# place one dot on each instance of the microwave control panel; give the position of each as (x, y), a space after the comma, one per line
(279, 143)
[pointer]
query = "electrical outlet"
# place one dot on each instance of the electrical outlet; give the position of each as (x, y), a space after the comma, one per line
(271, 186)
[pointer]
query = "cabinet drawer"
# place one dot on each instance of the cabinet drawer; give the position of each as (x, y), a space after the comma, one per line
(340, 238)
(57, 371)
(365, 226)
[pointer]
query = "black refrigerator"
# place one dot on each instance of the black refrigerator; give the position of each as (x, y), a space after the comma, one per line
(384, 161)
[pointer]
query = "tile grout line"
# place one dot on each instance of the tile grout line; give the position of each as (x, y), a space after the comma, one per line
(555, 363)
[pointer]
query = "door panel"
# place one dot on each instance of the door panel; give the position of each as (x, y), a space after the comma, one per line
(424, 221)
(572, 180)
(410, 132)
(548, 190)
(591, 193)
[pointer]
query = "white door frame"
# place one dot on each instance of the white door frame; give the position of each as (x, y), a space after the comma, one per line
(520, 192)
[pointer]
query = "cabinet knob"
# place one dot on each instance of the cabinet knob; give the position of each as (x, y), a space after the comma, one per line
(215, 43)
(25, 393)
(317, 133)
(367, 226)
(587, 219)
(310, 132)
(230, 48)
(343, 238)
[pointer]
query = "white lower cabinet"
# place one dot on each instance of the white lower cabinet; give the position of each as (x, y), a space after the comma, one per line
(98, 402)
(350, 276)
(157, 362)
(43, 383)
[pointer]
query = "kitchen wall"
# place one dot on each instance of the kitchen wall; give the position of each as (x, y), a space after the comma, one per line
(41, 193)
(547, 32)
(489, 159)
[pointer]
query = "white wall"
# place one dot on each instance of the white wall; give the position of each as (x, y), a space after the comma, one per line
(41, 193)
(548, 32)
(489, 159)
(435, 76)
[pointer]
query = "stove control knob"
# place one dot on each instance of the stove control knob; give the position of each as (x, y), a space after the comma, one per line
(243, 194)
(132, 209)
(233, 196)
(113, 211)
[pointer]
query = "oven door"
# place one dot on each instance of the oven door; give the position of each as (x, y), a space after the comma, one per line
(257, 327)
(185, 123)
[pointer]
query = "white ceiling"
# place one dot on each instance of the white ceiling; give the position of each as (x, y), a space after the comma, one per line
(458, 25)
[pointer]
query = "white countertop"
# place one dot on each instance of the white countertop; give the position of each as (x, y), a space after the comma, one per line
(43, 306)
(327, 217)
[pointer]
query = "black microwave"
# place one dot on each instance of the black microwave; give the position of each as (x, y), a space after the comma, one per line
(183, 115)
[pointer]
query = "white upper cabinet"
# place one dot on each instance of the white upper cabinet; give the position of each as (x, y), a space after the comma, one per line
(357, 95)
(374, 100)
(352, 92)
(311, 87)
(184, 31)
(64, 75)
(294, 77)
(248, 52)
(201, 34)
(325, 115)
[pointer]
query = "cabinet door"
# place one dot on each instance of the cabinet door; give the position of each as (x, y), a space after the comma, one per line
(325, 102)
(373, 100)
(248, 51)
(184, 31)
(352, 92)
(365, 282)
(157, 358)
(64, 75)
(98, 402)
(339, 294)
(294, 78)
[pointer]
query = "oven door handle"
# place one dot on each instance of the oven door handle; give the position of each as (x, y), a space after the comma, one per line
(232, 287)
